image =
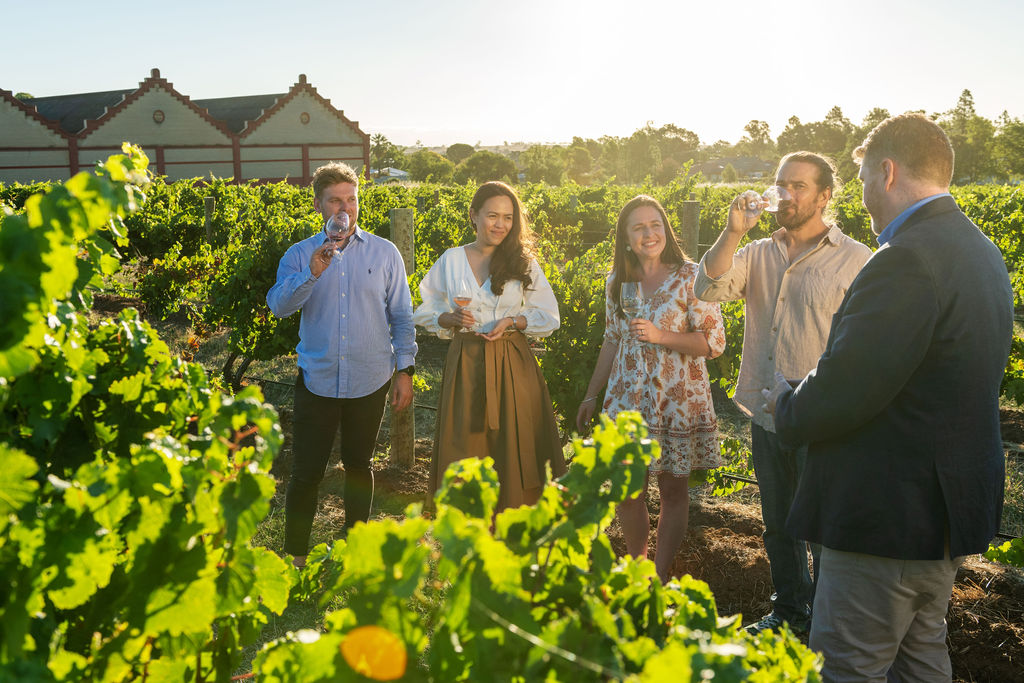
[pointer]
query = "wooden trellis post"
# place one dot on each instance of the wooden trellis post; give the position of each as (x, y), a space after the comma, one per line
(403, 424)
(689, 229)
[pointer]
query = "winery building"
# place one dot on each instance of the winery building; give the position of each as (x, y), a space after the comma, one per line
(269, 138)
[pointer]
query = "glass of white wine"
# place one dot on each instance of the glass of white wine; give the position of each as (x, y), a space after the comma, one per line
(631, 299)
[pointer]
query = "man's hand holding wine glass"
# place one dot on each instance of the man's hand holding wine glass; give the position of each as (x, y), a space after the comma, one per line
(338, 231)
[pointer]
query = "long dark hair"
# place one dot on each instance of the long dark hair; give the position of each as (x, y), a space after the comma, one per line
(626, 266)
(511, 260)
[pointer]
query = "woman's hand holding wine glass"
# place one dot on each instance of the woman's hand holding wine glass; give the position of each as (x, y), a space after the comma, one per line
(461, 317)
(631, 298)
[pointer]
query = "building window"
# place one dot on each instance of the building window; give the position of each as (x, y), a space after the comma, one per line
(304, 117)
(158, 116)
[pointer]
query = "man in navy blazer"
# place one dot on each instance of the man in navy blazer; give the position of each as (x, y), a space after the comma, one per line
(905, 467)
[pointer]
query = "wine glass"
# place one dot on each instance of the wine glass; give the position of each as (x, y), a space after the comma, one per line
(337, 228)
(463, 296)
(770, 200)
(631, 299)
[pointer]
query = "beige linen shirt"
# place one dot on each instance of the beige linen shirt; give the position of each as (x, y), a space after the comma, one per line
(788, 308)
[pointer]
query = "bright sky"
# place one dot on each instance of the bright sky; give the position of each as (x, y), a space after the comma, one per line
(446, 71)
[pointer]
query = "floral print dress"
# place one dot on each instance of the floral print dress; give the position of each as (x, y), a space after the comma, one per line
(669, 389)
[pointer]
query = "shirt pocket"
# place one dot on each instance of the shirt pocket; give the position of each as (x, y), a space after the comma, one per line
(822, 290)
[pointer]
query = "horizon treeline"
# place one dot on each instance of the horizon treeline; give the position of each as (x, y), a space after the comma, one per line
(986, 151)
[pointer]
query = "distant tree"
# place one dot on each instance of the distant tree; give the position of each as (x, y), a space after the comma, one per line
(483, 166)
(1009, 146)
(543, 163)
(579, 164)
(973, 139)
(729, 174)
(642, 155)
(757, 141)
(385, 154)
(719, 149)
(872, 119)
(794, 137)
(23, 96)
(848, 168)
(831, 135)
(431, 167)
(459, 152)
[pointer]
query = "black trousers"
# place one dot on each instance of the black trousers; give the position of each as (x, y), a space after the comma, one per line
(315, 423)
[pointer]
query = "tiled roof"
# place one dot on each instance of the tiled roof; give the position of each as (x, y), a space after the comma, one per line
(236, 112)
(71, 112)
(81, 114)
(302, 85)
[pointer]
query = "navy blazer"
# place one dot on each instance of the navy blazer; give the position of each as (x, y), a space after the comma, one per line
(901, 413)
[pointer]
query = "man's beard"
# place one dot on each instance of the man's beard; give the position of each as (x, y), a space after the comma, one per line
(794, 220)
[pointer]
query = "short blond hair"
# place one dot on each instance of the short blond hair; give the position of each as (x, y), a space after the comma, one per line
(332, 174)
(915, 142)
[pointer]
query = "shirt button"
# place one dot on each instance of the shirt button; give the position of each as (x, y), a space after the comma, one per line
(342, 315)
(775, 329)
(343, 337)
(769, 357)
(343, 293)
(343, 272)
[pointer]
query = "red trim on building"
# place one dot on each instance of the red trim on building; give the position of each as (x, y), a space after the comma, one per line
(74, 148)
(154, 81)
(30, 111)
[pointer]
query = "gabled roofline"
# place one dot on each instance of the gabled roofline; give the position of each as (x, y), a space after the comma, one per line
(300, 87)
(154, 80)
(32, 113)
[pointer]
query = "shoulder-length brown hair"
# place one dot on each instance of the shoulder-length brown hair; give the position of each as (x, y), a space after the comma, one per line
(511, 260)
(625, 265)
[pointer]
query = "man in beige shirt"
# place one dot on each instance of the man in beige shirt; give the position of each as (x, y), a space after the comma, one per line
(792, 282)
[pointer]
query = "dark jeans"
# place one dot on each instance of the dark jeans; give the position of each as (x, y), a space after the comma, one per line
(314, 425)
(778, 471)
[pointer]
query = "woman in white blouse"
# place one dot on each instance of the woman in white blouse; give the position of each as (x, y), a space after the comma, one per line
(494, 401)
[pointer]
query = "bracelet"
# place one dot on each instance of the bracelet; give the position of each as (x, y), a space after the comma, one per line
(589, 398)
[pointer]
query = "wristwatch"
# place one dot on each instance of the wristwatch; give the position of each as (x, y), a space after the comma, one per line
(411, 370)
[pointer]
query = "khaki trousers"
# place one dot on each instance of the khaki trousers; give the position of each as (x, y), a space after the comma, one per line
(878, 618)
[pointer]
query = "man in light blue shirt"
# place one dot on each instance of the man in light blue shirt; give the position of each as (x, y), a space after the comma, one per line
(356, 329)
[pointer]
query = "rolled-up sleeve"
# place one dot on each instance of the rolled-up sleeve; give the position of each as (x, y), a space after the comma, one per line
(730, 286)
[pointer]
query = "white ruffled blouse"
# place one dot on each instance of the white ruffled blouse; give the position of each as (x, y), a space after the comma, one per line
(451, 275)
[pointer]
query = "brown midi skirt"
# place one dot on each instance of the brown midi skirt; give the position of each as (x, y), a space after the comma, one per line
(494, 402)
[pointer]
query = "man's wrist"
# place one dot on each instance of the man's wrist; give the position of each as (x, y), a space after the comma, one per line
(408, 370)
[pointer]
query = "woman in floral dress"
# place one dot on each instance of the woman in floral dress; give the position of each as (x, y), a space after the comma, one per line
(654, 364)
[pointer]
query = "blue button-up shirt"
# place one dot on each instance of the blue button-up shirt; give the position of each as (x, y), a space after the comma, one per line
(890, 230)
(356, 326)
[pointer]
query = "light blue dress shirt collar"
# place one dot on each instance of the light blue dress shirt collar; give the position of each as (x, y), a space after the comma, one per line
(890, 230)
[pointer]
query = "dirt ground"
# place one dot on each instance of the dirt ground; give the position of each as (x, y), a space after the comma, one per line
(723, 548)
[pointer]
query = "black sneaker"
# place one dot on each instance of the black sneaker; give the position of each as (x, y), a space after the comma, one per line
(773, 622)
